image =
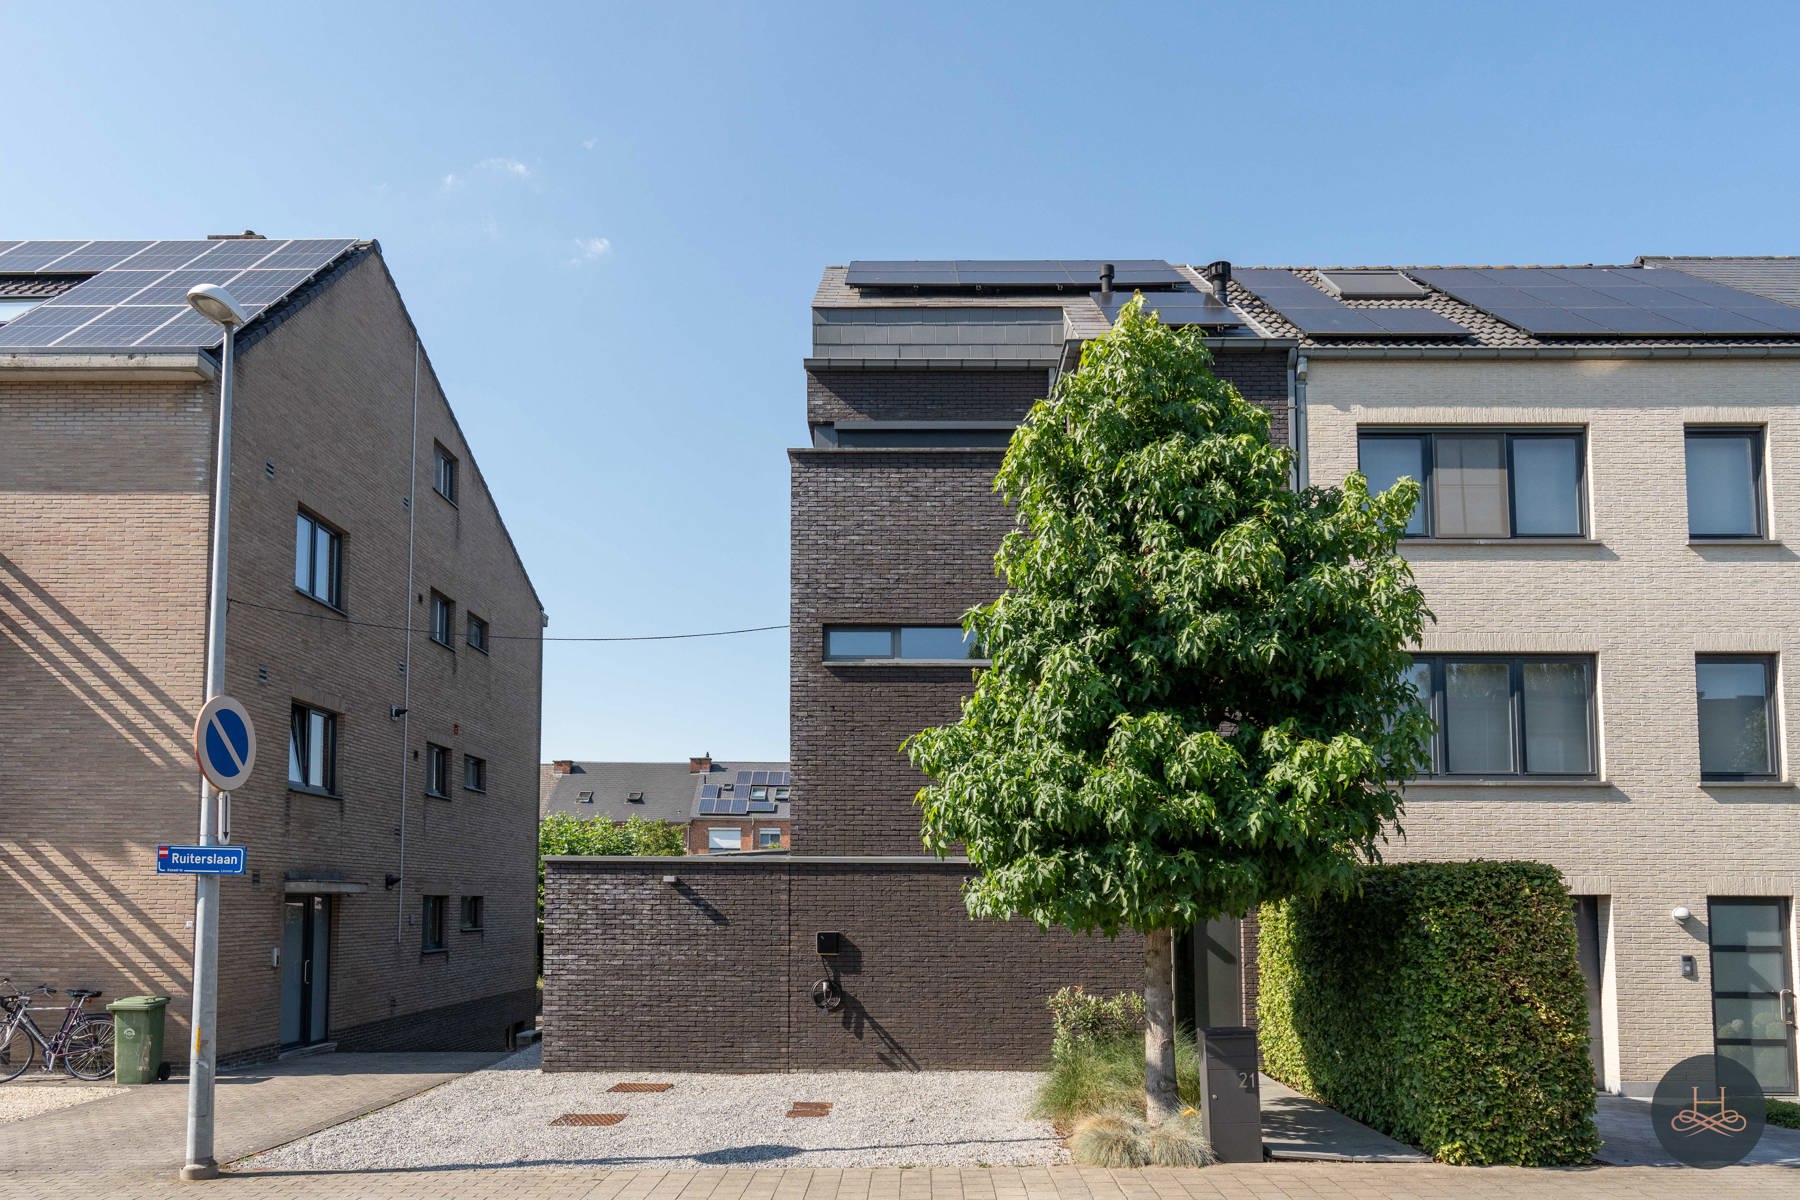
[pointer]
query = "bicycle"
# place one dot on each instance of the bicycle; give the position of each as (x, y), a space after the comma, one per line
(84, 1043)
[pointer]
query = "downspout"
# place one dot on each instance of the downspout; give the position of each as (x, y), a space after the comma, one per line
(1300, 418)
(1293, 431)
(412, 483)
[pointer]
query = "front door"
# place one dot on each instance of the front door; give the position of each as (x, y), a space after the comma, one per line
(1753, 981)
(305, 969)
(1590, 950)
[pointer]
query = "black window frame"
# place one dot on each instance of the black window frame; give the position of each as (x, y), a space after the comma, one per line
(1771, 717)
(1440, 739)
(431, 925)
(479, 766)
(1758, 477)
(300, 732)
(443, 631)
(895, 644)
(1427, 486)
(1784, 920)
(444, 472)
(465, 908)
(475, 632)
(437, 771)
(335, 586)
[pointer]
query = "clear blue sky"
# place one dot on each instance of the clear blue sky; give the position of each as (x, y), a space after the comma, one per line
(608, 219)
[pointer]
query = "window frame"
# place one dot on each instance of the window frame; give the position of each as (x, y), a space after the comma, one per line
(895, 644)
(1437, 705)
(300, 717)
(335, 588)
(447, 606)
(479, 908)
(1759, 476)
(432, 939)
(436, 756)
(1771, 717)
(711, 830)
(471, 623)
(480, 766)
(1427, 436)
(441, 458)
(768, 839)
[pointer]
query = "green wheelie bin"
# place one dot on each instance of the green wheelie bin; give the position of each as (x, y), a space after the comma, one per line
(138, 1044)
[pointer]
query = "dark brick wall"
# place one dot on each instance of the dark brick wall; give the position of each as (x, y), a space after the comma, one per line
(922, 395)
(716, 972)
(482, 1024)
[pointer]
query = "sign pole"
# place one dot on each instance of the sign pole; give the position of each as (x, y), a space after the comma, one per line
(202, 1057)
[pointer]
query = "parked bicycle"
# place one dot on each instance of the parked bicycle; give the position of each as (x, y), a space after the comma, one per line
(83, 1045)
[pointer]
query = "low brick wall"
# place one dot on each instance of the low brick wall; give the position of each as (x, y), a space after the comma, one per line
(715, 971)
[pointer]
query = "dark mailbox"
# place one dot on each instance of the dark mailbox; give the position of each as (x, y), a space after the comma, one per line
(1232, 1114)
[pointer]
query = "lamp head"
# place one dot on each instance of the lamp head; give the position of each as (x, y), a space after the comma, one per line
(216, 305)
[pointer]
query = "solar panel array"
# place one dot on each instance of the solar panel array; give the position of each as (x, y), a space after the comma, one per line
(1612, 302)
(1082, 274)
(734, 799)
(1320, 315)
(1174, 308)
(137, 295)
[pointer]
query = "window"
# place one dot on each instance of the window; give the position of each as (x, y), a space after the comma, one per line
(471, 914)
(312, 749)
(437, 771)
(474, 773)
(889, 435)
(724, 839)
(443, 473)
(584, 798)
(1724, 483)
(759, 791)
(443, 618)
(318, 560)
(925, 643)
(1737, 716)
(1509, 716)
(782, 793)
(478, 634)
(431, 925)
(1483, 484)
(768, 839)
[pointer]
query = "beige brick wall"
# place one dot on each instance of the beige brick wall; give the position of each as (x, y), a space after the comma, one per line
(104, 495)
(1644, 602)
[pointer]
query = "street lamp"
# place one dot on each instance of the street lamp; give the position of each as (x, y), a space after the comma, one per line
(216, 305)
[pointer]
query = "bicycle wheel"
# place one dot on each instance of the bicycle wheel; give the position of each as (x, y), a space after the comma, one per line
(15, 1052)
(88, 1054)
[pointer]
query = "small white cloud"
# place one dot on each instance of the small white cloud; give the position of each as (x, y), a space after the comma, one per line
(589, 143)
(451, 182)
(506, 166)
(590, 249)
(381, 189)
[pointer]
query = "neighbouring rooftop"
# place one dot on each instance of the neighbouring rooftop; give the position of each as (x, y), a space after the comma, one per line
(677, 792)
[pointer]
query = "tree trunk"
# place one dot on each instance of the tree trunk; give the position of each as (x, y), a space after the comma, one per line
(1161, 1099)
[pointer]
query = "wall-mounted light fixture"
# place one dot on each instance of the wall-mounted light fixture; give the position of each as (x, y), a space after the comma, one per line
(391, 882)
(1681, 915)
(1689, 968)
(670, 880)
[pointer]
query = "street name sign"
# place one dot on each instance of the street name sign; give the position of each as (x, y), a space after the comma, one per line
(225, 743)
(201, 860)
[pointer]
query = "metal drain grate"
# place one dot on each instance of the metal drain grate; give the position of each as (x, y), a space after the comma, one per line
(810, 1108)
(589, 1119)
(640, 1087)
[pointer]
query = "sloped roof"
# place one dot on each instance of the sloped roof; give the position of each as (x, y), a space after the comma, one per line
(670, 791)
(1777, 276)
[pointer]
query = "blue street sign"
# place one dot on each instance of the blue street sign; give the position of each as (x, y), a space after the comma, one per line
(200, 860)
(225, 743)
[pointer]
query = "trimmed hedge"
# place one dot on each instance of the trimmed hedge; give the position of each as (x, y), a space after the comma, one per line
(1442, 1004)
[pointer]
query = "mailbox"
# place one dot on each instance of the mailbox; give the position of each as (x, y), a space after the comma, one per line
(1232, 1113)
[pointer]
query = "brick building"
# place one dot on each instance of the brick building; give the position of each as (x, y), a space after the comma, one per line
(381, 630)
(723, 808)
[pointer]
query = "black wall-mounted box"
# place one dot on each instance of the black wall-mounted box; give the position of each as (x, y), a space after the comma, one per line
(828, 944)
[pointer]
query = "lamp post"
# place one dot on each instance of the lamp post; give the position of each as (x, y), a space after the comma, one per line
(216, 305)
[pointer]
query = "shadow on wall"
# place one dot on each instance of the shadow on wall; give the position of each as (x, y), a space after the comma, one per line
(856, 1020)
(86, 903)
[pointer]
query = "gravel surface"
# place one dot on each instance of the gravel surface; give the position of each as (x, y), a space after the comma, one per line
(502, 1116)
(27, 1096)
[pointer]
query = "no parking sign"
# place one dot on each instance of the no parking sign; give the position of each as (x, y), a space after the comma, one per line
(225, 743)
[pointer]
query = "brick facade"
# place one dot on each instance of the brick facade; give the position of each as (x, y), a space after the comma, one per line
(104, 514)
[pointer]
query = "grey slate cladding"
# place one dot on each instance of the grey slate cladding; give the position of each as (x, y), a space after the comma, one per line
(1016, 335)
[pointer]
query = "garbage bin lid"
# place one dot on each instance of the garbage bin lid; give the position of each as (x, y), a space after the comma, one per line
(136, 1003)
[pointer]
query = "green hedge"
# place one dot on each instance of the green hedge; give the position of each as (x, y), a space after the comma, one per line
(1443, 1004)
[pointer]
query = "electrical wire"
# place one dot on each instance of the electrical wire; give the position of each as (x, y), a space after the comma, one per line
(508, 637)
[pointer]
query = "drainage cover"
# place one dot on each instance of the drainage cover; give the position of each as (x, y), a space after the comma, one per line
(640, 1087)
(589, 1119)
(810, 1108)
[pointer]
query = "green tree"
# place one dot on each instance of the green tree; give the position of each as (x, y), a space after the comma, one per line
(1198, 690)
(560, 833)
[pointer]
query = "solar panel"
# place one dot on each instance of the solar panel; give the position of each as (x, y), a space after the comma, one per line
(164, 256)
(1370, 285)
(29, 256)
(307, 254)
(1082, 273)
(122, 326)
(45, 323)
(172, 288)
(709, 791)
(1613, 302)
(110, 287)
(1320, 315)
(95, 256)
(1174, 308)
(762, 806)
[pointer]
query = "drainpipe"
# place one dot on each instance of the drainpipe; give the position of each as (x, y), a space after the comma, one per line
(412, 482)
(1300, 417)
(1293, 433)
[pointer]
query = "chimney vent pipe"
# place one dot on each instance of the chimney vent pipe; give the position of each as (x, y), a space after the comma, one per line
(1106, 281)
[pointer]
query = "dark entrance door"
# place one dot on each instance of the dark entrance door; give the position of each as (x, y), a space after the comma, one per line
(1590, 949)
(305, 969)
(1752, 980)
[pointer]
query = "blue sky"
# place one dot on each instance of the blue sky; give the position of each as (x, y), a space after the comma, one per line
(608, 219)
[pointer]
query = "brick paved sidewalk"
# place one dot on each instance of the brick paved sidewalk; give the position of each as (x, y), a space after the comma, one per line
(1269, 1181)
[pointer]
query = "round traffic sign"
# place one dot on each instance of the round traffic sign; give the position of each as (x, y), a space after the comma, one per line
(225, 743)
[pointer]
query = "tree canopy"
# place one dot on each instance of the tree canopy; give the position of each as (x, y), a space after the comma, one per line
(1197, 696)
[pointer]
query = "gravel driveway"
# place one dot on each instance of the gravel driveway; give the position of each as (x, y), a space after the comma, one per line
(31, 1094)
(502, 1116)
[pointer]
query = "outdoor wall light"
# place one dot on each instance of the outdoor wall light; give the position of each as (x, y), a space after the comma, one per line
(670, 880)
(1689, 968)
(391, 882)
(1681, 915)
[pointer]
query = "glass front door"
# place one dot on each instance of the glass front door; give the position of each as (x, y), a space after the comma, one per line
(1753, 981)
(305, 969)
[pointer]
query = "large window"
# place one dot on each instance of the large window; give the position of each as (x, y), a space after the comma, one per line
(1737, 716)
(1509, 716)
(1483, 483)
(319, 560)
(724, 839)
(437, 771)
(1724, 483)
(431, 925)
(312, 749)
(921, 643)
